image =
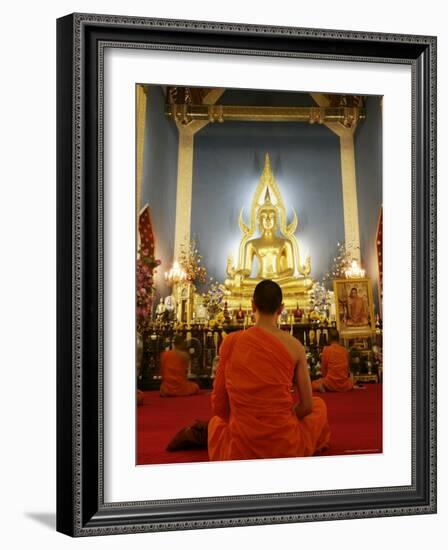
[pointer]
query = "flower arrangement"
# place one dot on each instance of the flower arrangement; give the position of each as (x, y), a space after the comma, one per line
(146, 266)
(191, 262)
(320, 299)
(342, 263)
(220, 319)
(212, 324)
(212, 299)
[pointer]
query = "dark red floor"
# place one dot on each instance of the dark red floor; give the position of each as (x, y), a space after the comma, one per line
(355, 418)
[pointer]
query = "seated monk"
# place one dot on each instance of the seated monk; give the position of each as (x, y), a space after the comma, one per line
(254, 412)
(356, 310)
(334, 365)
(174, 370)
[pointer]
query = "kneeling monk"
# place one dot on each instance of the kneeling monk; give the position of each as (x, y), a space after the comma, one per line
(252, 403)
(174, 370)
(334, 364)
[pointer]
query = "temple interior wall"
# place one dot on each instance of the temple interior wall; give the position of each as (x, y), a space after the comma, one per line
(160, 180)
(228, 162)
(369, 162)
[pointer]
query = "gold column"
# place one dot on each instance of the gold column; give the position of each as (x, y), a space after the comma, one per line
(184, 189)
(348, 174)
(141, 100)
(349, 193)
(185, 174)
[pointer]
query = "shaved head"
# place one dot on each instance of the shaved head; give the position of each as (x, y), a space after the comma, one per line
(268, 297)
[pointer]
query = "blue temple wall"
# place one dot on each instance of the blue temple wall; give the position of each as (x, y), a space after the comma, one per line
(228, 163)
(159, 182)
(369, 180)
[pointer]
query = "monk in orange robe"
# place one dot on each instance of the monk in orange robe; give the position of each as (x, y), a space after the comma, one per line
(254, 411)
(356, 310)
(174, 370)
(334, 365)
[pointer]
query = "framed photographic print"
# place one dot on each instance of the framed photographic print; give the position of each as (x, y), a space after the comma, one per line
(354, 307)
(235, 202)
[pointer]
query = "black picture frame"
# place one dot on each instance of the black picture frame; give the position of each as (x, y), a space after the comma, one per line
(81, 510)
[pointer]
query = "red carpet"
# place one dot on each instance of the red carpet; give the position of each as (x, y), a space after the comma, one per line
(355, 418)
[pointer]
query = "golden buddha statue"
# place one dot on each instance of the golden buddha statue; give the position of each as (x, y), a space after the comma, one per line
(275, 250)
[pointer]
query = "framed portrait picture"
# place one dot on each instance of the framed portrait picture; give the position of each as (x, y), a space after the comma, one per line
(354, 307)
(235, 202)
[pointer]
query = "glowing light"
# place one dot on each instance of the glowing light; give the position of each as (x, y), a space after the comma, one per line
(355, 271)
(175, 275)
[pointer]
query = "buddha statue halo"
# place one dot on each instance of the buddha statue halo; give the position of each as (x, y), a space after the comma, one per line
(276, 249)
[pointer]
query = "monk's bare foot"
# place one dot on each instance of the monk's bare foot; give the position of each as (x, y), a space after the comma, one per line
(359, 387)
(321, 388)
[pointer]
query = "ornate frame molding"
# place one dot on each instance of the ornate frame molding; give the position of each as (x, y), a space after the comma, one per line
(81, 507)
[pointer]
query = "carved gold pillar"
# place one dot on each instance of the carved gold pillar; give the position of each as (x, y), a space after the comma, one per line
(349, 193)
(184, 189)
(141, 99)
(185, 174)
(348, 174)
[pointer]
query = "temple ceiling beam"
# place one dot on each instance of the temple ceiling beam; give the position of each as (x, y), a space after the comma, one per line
(186, 113)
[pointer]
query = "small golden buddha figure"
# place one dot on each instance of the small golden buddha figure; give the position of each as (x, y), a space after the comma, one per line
(275, 249)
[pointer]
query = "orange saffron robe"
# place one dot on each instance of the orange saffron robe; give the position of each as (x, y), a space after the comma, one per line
(174, 370)
(252, 403)
(334, 363)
